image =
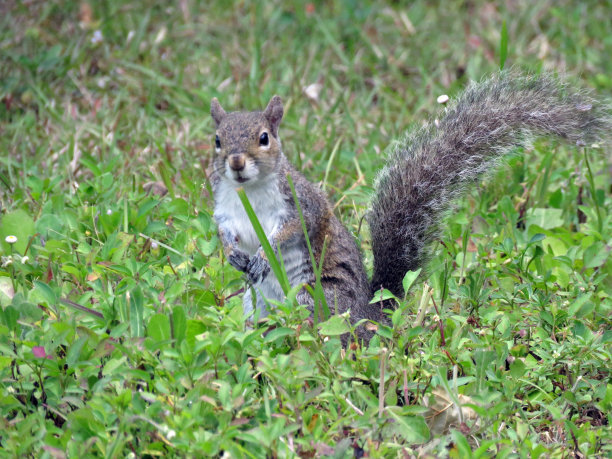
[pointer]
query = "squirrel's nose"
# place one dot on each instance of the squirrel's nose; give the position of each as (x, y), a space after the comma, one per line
(236, 162)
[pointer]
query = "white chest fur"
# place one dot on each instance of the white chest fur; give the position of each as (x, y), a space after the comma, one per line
(267, 202)
(271, 210)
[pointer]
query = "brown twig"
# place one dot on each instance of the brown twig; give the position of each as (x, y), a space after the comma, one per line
(172, 267)
(381, 385)
(82, 308)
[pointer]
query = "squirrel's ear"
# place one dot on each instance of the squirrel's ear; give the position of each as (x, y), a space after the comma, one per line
(274, 114)
(216, 111)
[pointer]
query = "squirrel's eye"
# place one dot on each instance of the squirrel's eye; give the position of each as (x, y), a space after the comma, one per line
(217, 142)
(263, 139)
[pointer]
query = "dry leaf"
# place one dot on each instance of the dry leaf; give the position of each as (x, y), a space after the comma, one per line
(443, 414)
(157, 188)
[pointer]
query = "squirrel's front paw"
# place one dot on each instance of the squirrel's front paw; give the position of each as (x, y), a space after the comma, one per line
(258, 268)
(239, 260)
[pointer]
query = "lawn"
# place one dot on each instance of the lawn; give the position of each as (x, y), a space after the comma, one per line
(121, 325)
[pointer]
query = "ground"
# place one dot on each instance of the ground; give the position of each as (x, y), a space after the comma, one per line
(121, 326)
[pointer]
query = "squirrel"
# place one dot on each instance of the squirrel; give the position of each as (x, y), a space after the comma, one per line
(426, 172)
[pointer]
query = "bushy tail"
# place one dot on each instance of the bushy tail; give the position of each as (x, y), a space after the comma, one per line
(433, 166)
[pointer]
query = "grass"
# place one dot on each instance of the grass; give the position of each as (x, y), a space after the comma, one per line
(121, 327)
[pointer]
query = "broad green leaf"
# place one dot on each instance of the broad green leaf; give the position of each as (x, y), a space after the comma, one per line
(45, 292)
(74, 351)
(557, 246)
(159, 327)
(147, 206)
(335, 325)
(578, 303)
(484, 358)
(137, 312)
(278, 333)
(177, 208)
(409, 279)
(18, 224)
(208, 247)
(381, 296)
(10, 316)
(545, 218)
(194, 328)
(536, 238)
(463, 449)
(517, 368)
(179, 324)
(412, 428)
(596, 255)
(49, 225)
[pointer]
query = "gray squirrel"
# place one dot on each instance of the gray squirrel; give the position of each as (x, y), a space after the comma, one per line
(427, 171)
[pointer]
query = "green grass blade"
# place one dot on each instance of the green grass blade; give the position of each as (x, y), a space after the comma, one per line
(332, 156)
(503, 46)
(321, 309)
(280, 274)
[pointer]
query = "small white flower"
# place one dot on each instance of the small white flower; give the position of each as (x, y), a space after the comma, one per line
(130, 35)
(168, 432)
(109, 211)
(160, 35)
(154, 245)
(443, 99)
(11, 239)
(97, 37)
(312, 91)
(24, 260)
(7, 261)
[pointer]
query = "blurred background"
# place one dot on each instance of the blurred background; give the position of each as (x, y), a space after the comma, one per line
(358, 72)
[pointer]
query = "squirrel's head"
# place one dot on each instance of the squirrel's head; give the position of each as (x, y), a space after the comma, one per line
(247, 145)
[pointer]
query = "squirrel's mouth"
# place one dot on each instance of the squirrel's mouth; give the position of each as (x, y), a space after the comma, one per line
(241, 179)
